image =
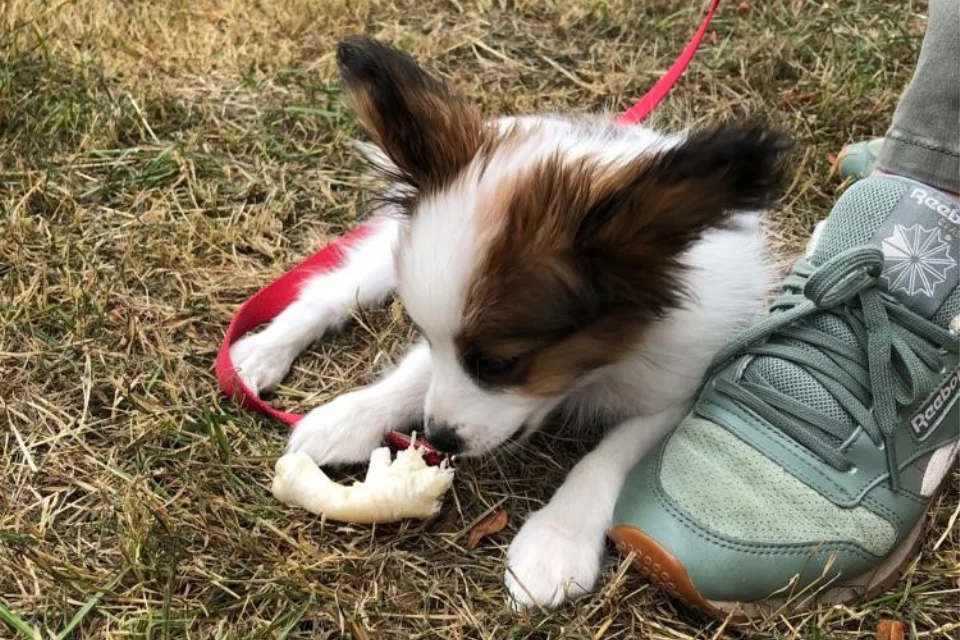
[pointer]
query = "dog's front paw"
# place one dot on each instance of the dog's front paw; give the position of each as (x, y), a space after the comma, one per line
(551, 560)
(342, 431)
(261, 361)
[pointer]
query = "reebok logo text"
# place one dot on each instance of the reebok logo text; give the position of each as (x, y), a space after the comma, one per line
(928, 417)
(923, 197)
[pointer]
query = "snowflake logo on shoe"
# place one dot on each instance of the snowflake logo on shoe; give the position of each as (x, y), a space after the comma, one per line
(916, 259)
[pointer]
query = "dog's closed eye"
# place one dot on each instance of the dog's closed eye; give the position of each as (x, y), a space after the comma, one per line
(487, 368)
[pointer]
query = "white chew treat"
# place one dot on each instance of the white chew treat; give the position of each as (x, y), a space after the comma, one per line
(391, 491)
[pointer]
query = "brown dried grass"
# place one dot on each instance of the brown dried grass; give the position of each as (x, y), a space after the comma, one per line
(159, 161)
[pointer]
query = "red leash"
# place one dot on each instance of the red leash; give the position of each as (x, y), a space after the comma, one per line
(264, 306)
(270, 301)
(639, 111)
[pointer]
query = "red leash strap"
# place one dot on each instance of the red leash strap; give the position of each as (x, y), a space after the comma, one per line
(639, 111)
(264, 306)
(270, 301)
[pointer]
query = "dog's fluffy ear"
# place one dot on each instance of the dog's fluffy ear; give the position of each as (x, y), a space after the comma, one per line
(645, 214)
(671, 198)
(428, 134)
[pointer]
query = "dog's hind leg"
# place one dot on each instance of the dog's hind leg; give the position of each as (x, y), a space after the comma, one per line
(326, 301)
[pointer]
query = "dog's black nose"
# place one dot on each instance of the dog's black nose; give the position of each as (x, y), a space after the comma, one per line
(443, 436)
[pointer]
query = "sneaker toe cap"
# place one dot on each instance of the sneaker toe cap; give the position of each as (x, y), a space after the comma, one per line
(712, 541)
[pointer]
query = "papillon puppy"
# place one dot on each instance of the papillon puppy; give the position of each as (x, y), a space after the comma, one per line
(556, 267)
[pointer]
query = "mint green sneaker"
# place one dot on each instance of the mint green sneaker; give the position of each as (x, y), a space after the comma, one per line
(823, 433)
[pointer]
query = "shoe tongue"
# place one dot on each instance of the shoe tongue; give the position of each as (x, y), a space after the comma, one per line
(917, 228)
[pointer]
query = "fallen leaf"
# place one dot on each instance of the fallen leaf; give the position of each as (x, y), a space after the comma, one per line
(743, 7)
(890, 630)
(493, 523)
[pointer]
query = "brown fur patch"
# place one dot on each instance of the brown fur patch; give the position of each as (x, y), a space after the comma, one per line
(428, 133)
(585, 256)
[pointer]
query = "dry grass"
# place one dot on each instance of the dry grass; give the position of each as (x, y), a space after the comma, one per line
(159, 161)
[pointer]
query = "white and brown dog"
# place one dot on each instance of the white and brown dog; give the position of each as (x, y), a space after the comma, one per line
(553, 265)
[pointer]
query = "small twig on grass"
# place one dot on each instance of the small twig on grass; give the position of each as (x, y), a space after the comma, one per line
(23, 446)
(140, 115)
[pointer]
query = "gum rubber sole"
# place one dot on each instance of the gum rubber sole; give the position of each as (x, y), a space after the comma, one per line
(659, 565)
(663, 568)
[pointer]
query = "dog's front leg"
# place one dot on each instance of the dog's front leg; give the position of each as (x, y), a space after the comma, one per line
(348, 428)
(326, 301)
(558, 552)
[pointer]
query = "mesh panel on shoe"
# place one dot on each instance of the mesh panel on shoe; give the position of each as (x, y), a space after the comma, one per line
(857, 215)
(800, 385)
(949, 310)
(835, 327)
(738, 493)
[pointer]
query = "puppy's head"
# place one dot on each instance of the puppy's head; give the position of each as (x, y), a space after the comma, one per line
(537, 251)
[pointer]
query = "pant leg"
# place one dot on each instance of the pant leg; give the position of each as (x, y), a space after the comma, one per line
(923, 142)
